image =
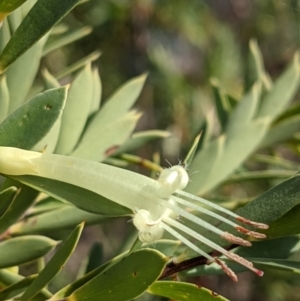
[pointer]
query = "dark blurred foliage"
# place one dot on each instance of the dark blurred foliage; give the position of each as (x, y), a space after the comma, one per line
(182, 44)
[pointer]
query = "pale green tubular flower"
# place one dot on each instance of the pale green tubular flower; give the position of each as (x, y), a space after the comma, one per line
(156, 204)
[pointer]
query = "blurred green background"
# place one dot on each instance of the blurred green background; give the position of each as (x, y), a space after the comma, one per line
(183, 45)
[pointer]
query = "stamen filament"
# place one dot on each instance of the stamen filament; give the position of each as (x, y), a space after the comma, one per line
(201, 222)
(219, 217)
(222, 209)
(186, 241)
(213, 245)
(222, 264)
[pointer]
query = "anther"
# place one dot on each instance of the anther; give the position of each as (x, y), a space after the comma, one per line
(227, 270)
(254, 224)
(250, 233)
(236, 240)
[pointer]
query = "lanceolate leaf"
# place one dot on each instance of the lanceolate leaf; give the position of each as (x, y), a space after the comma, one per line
(118, 104)
(6, 198)
(42, 17)
(282, 131)
(139, 139)
(20, 250)
(274, 203)
(282, 93)
(31, 122)
(219, 158)
(76, 111)
(54, 265)
(278, 264)
(5, 34)
(18, 206)
(67, 38)
(69, 289)
(79, 64)
(221, 103)
(4, 98)
(22, 73)
(97, 92)
(16, 289)
(286, 225)
(65, 217)
(261, 74)
(125, 280)
(7, 6)
(81, 198)
(182, 291)
(16, 284)
(97, 145)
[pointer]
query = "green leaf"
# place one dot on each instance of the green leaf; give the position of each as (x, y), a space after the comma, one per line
(274, 203)
(5, 34)
(247, 108)
(166, 246)
(189, 158)
(42, 17)
(261, 74)
(7, 277)
(21, 74)
(139, 139)
(7, 6)
(46, 205)
(15, 19)
(99, 143)
(125, 280)
(280, 248)
(258, 175)
(65, 217)
(49, 142)
(275, 161)
(54, 265)
(16, 284)
(67, 38)
(78, 65)
(278, 264)
(95, 257)
(286, 225)
(219, 158)
(118, 104)
(81, 198)
(50, 81)
(282, 93)
(206, 132)
(76, 111)
(20, 128)
(7, 196)
(182, 291)
(97, 92)
(20, 250)
(16, 289)
(4, 98)
(69, 289)
(18, 207)
(282, 131)
(221, 103)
